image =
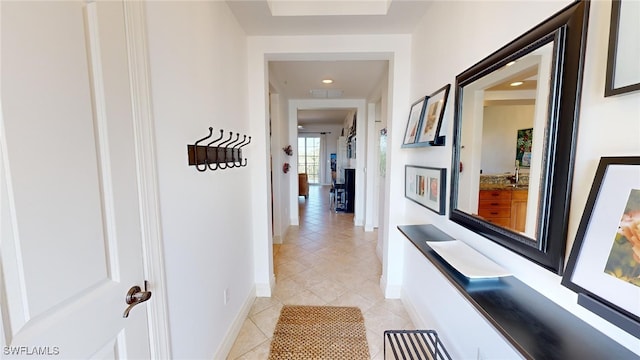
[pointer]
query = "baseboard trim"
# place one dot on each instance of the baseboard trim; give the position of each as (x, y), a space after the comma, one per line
(265, 290)
(286, 232)
(390, 291)
(277, 239)
(416, 319)
(236, 326)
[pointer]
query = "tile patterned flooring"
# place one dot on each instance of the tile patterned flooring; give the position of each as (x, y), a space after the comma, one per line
(324, 261)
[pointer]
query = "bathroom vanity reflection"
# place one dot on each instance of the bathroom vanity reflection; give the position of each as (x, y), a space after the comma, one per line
(504, 206)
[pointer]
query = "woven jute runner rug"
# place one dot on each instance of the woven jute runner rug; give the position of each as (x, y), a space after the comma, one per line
(319, 332)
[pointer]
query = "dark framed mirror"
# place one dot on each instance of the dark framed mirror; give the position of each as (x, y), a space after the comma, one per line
(515, 126)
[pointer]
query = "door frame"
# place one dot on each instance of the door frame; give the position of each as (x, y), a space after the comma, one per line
(394, 48)
(151, 224)
(148, 196)
(315, 104)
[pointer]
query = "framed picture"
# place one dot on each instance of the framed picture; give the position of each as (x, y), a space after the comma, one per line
(604, 263)
(432, 119)
(523, 147)
(426, 186)
(415, 117)
(623, 72)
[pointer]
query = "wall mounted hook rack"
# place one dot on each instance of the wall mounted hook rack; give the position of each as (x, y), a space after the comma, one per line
(218, 155)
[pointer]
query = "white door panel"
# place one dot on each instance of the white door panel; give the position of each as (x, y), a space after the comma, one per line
(71, 240)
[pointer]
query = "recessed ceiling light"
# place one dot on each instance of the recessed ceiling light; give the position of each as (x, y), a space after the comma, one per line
(299, 126)
(327, 81)
(517, 83)
(510, 63)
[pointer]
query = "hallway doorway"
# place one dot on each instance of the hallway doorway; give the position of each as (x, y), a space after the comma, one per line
(291, 73)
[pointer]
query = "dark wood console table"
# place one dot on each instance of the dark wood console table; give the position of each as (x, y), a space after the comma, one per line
(533, 324)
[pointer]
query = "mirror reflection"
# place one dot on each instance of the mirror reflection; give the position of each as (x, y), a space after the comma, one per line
(514, 136)
(504, 127)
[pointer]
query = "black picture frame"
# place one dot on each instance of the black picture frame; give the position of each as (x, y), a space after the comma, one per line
(431, 124)
(426, 186)
(416, 114)
(600, 266)
(615, 27)
(426, 132)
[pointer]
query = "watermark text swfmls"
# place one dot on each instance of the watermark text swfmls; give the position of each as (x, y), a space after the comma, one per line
(31, 350)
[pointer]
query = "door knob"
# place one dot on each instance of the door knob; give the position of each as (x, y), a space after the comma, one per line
(135, 296)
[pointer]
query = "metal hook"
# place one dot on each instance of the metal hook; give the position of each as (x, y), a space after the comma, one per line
(226, 141)
(245, 159)
(218, 139)
(229, 148)
(221, 148)
(247, 143)
(195, 150)
(234, 142)
(220, 165)
(241, 143)
(220, 153)
(215, 161)
(212, 168)
(235, 150)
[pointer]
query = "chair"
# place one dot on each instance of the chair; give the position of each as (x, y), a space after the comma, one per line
(303, 185)
(332, 191)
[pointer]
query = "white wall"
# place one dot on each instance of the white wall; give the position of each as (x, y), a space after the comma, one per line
(499, 135)
(281, 181)
(198, 67)
(382, 115)
(374, 124)
(466, 40)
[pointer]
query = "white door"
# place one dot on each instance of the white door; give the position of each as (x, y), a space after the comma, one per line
(70, 245)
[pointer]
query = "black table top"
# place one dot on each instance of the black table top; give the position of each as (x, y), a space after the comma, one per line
(533, 324)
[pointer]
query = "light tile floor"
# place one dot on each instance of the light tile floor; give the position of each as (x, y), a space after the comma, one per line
(324, 261)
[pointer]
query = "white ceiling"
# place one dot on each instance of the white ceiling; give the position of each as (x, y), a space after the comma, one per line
(353, 79)
(325, 116)
(255, 18)
(303, 80)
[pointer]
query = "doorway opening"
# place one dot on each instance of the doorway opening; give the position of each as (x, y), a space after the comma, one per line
(309, 150)
(302, 112)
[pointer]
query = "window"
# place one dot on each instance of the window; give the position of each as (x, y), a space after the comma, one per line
(309, 158)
